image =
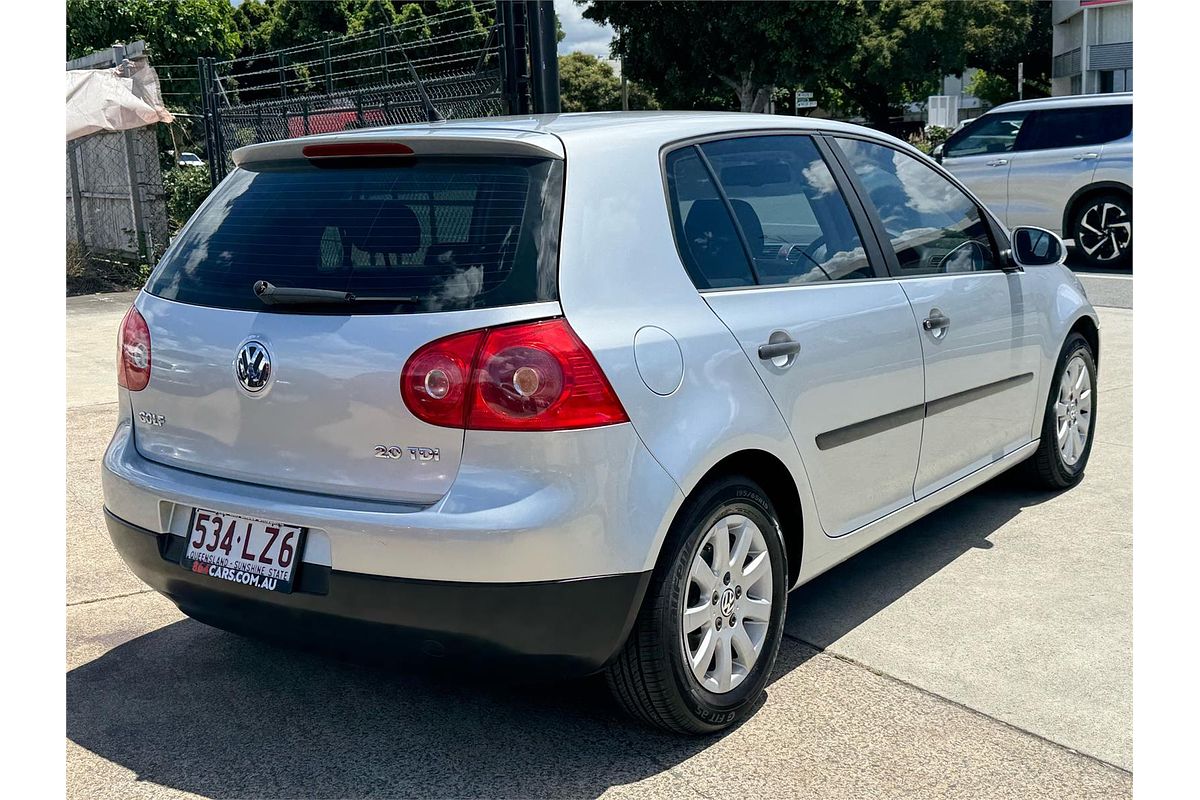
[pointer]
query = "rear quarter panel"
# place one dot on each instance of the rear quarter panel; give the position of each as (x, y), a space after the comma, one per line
(619, 271)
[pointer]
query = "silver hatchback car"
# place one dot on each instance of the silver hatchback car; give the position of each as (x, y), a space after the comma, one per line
(584, 392)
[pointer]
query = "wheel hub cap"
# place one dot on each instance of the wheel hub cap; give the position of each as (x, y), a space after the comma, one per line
(1073, 411)
(1105, 231)
(727, 603)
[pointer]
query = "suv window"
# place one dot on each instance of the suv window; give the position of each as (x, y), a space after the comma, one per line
(1078, 127)
(933, 225)
(788, 206)
(451, 233)
(991, 133)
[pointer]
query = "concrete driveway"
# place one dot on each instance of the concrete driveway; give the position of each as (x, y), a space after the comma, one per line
(982, 652)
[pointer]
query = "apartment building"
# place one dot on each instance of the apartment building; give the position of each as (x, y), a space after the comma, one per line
(1093, 46)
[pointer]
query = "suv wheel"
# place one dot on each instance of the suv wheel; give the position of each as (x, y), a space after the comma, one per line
(707, 635)
(1102, 227)
(1070, 421)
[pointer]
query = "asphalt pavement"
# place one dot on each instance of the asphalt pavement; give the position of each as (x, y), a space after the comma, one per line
(982, 652)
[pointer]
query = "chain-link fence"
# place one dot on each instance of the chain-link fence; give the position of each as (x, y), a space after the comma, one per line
(115, 203)
(470, 60)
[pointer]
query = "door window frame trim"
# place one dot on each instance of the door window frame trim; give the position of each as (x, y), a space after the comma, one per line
(867, 235)
(999, 237)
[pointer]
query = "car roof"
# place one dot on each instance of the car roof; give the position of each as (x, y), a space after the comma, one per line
(544, 132)
(1070, 101)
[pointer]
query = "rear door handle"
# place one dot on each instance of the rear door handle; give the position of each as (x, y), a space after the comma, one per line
(778, 350)
(999, 162)
(1085, 156)
(936, 321)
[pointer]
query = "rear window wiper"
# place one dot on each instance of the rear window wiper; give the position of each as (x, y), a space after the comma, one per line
(272, 295)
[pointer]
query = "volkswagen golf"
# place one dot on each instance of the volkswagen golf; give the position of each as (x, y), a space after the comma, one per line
(586, 392)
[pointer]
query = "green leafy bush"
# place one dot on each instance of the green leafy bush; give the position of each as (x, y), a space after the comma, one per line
(186, 188)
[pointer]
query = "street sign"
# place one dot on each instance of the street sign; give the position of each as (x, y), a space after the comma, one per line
(806, 104)
(804, 95)
(803, 100)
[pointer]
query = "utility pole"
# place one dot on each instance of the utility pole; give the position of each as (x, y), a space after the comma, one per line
(1020, 80)
(624, 80)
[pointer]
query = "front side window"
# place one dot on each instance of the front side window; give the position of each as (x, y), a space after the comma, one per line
(992, 133)
(1078, 127)
(791, 218)
(933, 225)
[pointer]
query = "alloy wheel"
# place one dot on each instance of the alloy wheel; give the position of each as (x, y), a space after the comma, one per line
(1073, 410)
(1105, 231)
(727, 603)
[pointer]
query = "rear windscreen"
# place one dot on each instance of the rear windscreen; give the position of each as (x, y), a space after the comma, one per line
(444, 234)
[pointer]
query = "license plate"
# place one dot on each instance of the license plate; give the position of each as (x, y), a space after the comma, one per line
(253, 552)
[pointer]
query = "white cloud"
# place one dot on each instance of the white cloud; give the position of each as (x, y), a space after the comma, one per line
(582, 34)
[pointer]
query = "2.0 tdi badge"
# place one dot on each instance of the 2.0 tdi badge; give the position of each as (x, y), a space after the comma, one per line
(253, 366)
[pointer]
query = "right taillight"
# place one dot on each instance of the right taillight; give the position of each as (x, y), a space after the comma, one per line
(133, 352)
(535, 376)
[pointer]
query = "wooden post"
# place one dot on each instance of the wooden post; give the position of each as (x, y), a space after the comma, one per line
(76, 194)
(135, 193)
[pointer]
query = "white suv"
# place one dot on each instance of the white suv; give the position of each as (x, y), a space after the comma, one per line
(1060, 163)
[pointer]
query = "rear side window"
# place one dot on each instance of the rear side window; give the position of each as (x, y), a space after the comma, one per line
(446, 233)
(933, 225)
(788, 210)
(1077, 127)
(711, 250)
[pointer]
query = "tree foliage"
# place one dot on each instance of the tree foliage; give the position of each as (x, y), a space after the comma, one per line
(176, 31)
(729, 54)
(857, 57)
(905, 47)
(590, 84)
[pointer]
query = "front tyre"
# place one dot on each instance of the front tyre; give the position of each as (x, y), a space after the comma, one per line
(709, 630)
(1070, 419)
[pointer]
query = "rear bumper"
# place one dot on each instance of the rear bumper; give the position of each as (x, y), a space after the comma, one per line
(570, 627)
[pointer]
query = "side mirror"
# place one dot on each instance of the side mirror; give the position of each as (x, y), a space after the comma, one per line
(937, 152)
(1036, 247)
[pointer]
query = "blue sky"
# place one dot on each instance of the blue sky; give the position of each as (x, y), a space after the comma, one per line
(582, 34)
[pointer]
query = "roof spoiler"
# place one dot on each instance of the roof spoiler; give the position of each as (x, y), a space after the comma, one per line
(419, 140)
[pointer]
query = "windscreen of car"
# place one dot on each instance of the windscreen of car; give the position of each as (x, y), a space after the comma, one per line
(993, 133)
(441, 233)
(1078, 127)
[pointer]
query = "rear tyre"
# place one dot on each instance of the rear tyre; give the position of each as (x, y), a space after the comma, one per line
(1070, 419)
(708, 632)
(1102, 227)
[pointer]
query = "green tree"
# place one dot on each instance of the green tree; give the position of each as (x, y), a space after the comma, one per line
(905, 47)
(857, 57)
(589, 84)
(176, 31)
(727, 54)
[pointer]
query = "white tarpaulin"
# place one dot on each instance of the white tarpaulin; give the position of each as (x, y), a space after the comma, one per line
(103, 100)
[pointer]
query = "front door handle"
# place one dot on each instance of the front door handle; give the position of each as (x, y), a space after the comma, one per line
(1085, 156)
(778, 349)
(999, 162)
(936, 322)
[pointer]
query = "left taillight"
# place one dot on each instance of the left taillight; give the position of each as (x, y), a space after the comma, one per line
(133, 352)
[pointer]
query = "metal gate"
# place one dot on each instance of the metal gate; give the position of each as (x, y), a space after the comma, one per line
(450, 65)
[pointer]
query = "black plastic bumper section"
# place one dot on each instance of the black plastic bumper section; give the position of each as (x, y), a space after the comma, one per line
(568, 627)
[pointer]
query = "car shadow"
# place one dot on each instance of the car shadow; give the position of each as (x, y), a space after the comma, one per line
(835, 603)
(200, 710)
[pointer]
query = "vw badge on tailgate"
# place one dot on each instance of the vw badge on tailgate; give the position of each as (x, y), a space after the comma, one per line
(253, 366)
